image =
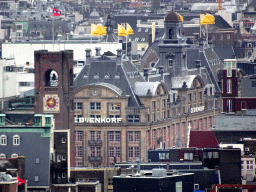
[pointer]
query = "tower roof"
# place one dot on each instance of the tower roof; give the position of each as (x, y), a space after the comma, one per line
(173, 17)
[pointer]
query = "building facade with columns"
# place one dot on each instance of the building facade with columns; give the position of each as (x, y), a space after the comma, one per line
(121, 113)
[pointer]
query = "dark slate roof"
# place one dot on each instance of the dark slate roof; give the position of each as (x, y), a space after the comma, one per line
(190, 31)
(233, 136)
(246, 87)
(221, 23)
(224, 52)
(128, 76)
(213, 65)
(203, 139)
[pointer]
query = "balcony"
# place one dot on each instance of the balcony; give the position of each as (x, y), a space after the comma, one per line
(95, 143)
(95, 159)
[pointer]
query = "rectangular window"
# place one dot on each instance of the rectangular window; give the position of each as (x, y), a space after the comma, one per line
(137, 152)
(63, 175)
(79, 152)
(221, 37)
(24, 84)
(79, 106)
(98, 106)
(130, 118)
(242, 165)
(228, 36)
(98, 136)
(36, 178)
(178, 186)
(118, 135)
(92, 133)
(111, 135)
(249, 164)
(93, 152)
(111, 151)
(229, 86)
(78, 135)
(229, 105)
(130, 136)
(130, 151)
(170, 63)
(47, 120)
(153, 105)
(114, 106)
(117, 152)
(136, 136)
(92, 106)
(98, 150)
(136, 118)
(37, 160)
(188, 156)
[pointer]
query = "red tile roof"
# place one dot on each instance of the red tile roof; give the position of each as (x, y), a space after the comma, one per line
(203, 139)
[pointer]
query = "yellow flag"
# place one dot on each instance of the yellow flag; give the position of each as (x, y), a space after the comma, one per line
(95, 30)
(121, 31)
(129, 29)
(208, 19)
(181, 17)
(104, 30)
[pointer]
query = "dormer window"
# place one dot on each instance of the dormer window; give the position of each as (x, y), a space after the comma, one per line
(117, 76)
(85, 76)
(96, 76)
(106, 76)
(170, 63)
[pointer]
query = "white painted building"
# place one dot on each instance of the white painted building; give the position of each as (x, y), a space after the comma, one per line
(248, 167)
(13, 79)
(24, 52)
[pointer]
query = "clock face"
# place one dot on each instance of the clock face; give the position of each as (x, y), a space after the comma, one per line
(95, 92)
(51, 104)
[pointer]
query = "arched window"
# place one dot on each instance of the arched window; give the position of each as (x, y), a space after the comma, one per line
(2, 155)
(170, 33)
(16, 140)
(85, 76)
(117, 76)
(14, 155)
(51, 78)
(96, 76)
(3, 140)
(106, 76)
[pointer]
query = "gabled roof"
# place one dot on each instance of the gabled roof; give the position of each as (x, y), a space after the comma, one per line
(203, 139)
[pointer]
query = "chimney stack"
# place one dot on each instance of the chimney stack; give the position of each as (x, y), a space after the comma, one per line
(146, 74)
(119, 56)
(161, 71)
(97, 49)
(88, 56)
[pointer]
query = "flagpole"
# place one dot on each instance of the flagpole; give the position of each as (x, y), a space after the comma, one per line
(53, 33)
(126, 46)
(200, 26)
(207, 34)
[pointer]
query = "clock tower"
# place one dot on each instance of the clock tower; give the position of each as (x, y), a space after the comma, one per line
(54, 95)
